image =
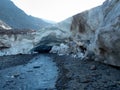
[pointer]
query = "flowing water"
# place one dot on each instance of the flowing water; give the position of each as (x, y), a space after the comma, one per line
(40, 73)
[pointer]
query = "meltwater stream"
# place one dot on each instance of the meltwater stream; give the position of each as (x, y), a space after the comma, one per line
(39, 74)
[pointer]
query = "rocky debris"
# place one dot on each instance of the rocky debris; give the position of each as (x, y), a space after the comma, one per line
(85, 80)
(15, 60)
(60, 50)
(75, 74)
(73, 48)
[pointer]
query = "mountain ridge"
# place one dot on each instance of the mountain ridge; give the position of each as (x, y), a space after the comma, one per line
(16, 18)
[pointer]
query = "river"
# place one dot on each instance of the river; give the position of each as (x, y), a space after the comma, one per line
(40, 73)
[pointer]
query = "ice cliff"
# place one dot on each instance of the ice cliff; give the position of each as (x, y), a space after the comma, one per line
(94, 32)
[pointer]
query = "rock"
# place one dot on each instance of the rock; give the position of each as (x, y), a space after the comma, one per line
(54, 49)
(93, 67)
(36, 66)
(80, 55)
(85, 80)
(15, 75)
(9, 81)
(118, 82)
(30, 71)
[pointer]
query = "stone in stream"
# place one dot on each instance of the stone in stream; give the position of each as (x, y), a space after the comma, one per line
(93, 67)
(36, 66)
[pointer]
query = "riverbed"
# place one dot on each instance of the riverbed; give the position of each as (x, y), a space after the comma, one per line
(40, 73)
(53, 72)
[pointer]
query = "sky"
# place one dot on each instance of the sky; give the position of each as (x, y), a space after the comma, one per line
(55, 10)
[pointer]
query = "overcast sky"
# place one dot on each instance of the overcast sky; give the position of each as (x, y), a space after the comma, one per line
(55, 10)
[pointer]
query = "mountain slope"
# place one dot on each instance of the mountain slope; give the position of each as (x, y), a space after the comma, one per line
(16, 18)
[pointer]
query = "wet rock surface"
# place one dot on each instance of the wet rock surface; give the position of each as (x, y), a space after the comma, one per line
(74, 74)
